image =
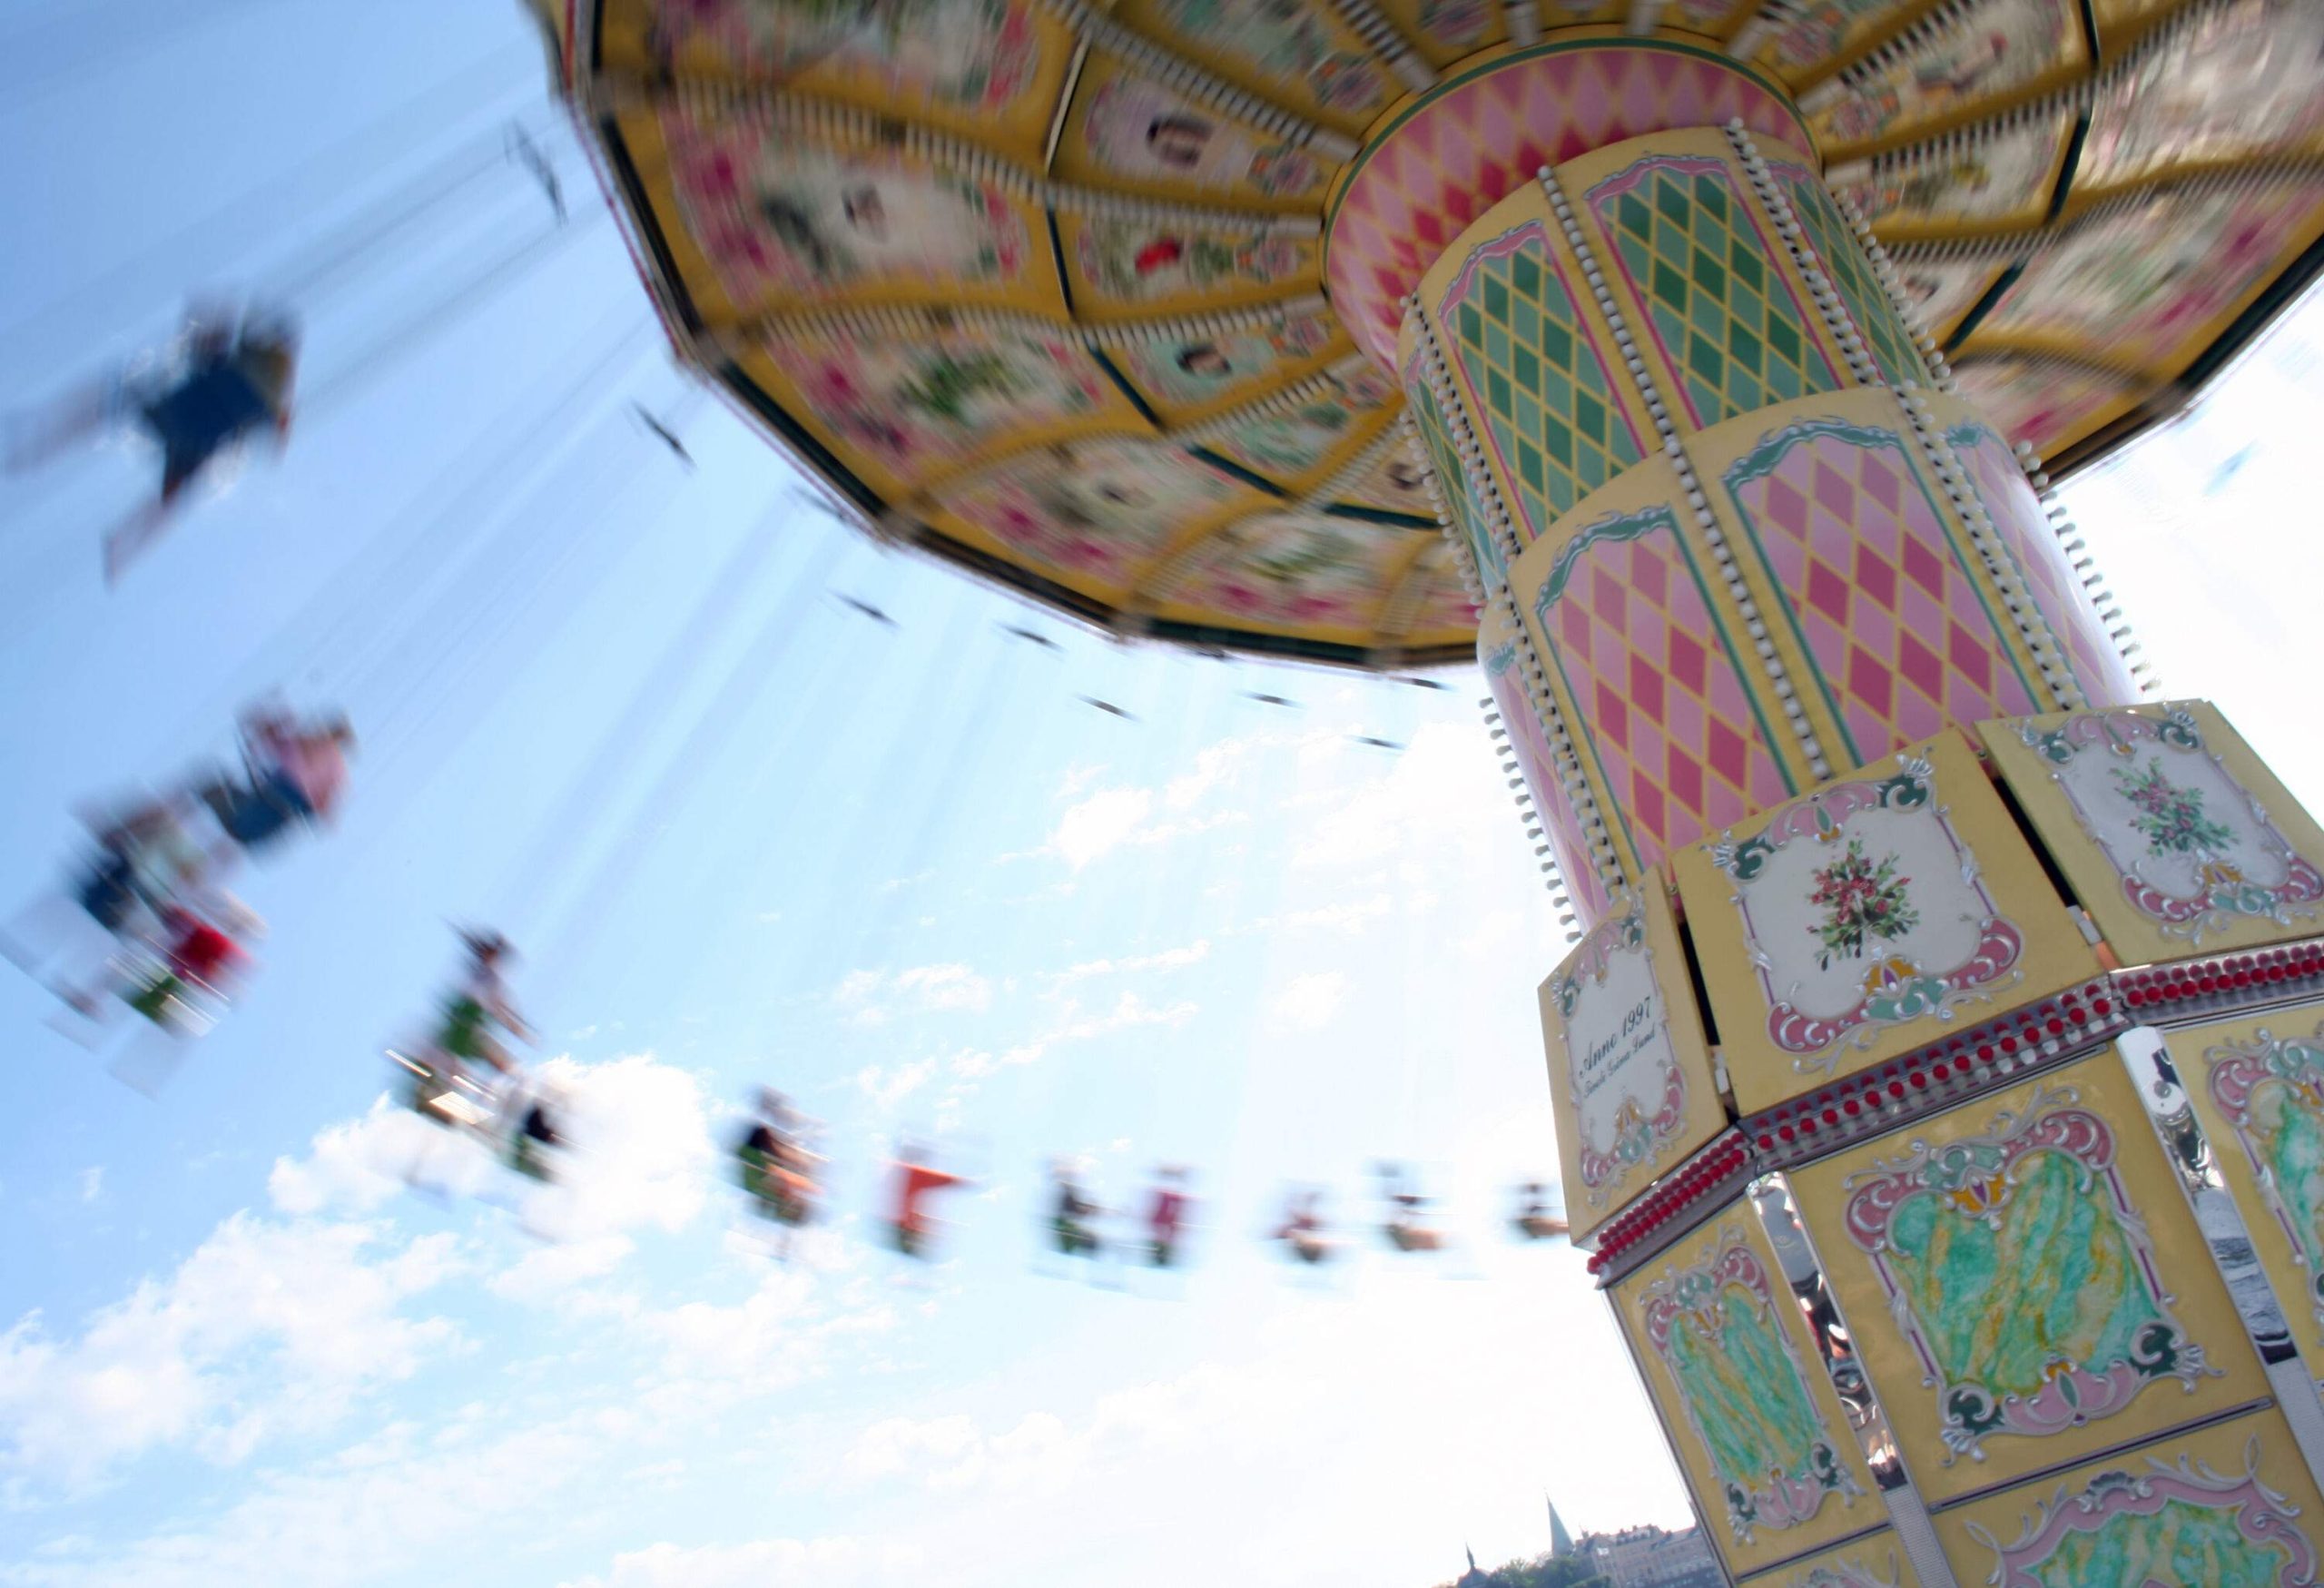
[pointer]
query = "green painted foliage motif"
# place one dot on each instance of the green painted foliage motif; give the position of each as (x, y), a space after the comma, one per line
(2289, 1131)
(1745, 1394)
(2010, 1286)
(2183, 1546)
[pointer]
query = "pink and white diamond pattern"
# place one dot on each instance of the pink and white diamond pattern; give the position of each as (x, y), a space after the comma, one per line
(2017, 512)
(1666, 714)
(1877, 592)
(1464, 152)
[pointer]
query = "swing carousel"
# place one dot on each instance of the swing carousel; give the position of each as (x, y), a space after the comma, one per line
(1929, 1065)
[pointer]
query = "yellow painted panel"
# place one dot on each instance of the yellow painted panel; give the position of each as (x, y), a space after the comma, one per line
(2257, 1083)
(1137, 267)
(1094, 515)
(2231, 1504)
(987, 69)
(2025, 1281)
(1762, 1437)
(1441, 33)
(2173, 835)
(1129, 132)
(1630, 1078)
(1186, 374)
(1875, 1562)
(1302, 57)
(908, 408)
(760, 219)
(1882, 912)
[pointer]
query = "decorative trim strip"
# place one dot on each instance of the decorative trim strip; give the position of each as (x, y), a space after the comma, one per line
(1382, 38)
(2010, 1047)
(2047, 645)
(1777, 208)
(1121, 333)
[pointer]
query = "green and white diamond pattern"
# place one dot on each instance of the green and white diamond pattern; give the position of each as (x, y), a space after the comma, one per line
(1719, 308)
(1531, 365)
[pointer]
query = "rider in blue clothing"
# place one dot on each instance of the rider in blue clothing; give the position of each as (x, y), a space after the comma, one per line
(234, 382)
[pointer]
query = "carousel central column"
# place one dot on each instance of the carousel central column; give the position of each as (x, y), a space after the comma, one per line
(1820, 721)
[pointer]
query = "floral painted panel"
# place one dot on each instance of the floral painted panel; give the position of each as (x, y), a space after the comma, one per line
(966, 63)
(2043, 403)
(1986, 50)
(1304, 570)
(1094, 513)
(1391, 482)
(919, 404)
(2240, 83)
(2020, 1273)
(2162, 1524)
(2271, 1092)
(1197, 369)
(2192, 849)
(1300, 53)
(1499, 653)
(1445, 612)
(2139, 284)
(1621, 1085)
(1715, 1325)
(1816, 31)
(2007, 177)
(1939, 292)
(778, 219)
(1862, 908)
(1292, 443)
(1132, 126)
(1150, 263)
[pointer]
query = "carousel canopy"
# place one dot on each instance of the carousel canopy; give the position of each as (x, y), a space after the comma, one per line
(1099, 301)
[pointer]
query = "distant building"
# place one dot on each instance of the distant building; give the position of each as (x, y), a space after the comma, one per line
(1651, 1557)
(1471, 1578)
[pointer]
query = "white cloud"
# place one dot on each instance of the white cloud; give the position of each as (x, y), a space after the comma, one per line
(1100, 824)
(944, 989)
(359, 1165)
(640, 1136)
(885, 1087)
(1351, 918)
(1308, 1003)
(265, 1326)
(1129, 1011)
(1194, 953)
(549, 1271)
(1440, 785)
(772, 1562)
(92, 1183)
(639, 1126)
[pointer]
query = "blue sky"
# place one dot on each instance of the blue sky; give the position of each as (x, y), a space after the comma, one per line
(745, 835)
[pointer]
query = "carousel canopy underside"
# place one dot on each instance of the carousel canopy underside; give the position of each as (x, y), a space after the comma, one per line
(1077, 298)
